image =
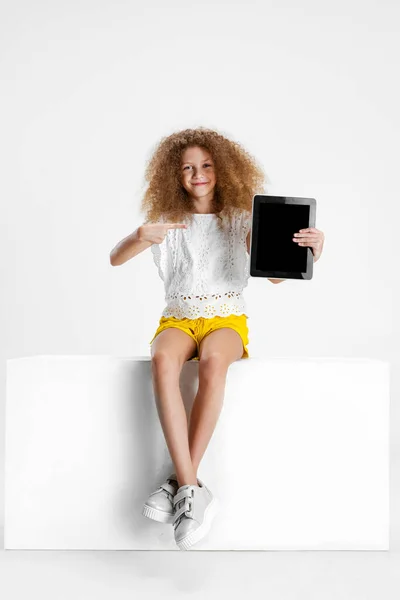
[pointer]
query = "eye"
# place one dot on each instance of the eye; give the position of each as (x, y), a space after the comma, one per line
(205, 164)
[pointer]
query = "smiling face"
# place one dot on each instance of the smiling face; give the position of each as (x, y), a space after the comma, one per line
(197, 167)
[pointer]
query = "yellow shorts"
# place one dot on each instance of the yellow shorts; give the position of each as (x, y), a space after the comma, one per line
(202, 326)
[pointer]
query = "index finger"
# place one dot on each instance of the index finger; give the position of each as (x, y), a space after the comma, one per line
(175, 225)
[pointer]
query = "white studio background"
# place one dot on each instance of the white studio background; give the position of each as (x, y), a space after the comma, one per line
(88, 88)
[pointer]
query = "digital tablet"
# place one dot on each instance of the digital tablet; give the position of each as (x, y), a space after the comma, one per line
(273, 253)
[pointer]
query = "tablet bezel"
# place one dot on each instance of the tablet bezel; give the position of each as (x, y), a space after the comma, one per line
(259, 199)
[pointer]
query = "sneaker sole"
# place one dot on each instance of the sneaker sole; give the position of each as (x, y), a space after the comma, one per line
(157, 515)
(194, 537)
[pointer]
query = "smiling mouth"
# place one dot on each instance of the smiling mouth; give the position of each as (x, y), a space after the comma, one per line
(204, 183)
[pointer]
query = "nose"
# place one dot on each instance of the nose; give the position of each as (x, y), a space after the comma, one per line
(198, 175)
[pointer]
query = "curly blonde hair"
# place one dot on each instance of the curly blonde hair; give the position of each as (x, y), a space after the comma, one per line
(238, 176)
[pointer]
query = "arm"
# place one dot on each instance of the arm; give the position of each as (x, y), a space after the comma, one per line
(127, 248)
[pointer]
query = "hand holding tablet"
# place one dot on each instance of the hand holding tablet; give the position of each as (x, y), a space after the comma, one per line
(275, 221)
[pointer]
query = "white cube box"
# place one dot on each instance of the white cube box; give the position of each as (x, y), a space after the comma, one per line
(299, 459)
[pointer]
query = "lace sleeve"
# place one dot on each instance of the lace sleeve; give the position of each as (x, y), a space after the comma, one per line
(246, 222)
(159, 253)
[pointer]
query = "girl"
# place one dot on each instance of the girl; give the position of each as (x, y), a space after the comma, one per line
(198, 204)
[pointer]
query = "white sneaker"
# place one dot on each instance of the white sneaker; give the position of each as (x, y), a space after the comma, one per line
(195, 508)
(159, 506)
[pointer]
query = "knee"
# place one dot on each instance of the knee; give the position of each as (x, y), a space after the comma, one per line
(212, 366)
(163, 362)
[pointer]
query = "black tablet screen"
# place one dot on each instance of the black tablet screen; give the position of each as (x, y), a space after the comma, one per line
(276, 250)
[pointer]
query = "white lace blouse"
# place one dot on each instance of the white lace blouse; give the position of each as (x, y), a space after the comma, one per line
(204, 270)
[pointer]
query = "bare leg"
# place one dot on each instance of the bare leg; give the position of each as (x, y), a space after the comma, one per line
(217, 351)
(205, 411)
(170, 349)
